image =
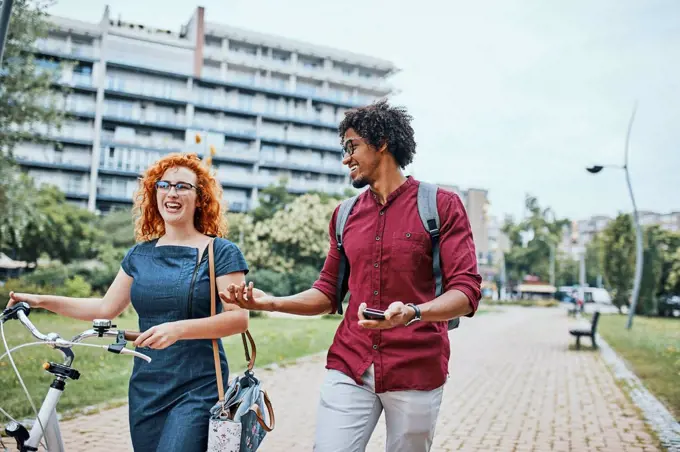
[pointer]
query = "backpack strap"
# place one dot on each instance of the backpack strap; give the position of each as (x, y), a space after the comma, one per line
(343, 270)
(429, 215)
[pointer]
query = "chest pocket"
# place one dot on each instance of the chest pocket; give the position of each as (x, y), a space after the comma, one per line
(407, 251)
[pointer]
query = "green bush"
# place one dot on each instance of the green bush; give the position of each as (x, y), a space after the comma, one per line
(52, 275)
(272, 282)
(303, 278)
(20, 285)
(75, 287)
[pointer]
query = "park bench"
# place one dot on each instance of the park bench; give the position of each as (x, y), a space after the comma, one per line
(591, 331)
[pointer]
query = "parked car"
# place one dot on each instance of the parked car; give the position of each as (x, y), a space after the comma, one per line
(669, 306)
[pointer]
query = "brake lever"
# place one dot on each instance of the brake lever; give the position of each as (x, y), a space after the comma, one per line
(120, 343)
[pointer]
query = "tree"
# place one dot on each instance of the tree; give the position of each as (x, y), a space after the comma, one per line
(594, 260)
(60, 230)
(670, 246)
(566, 272)
(26, 95)
(295, 236)
(673, 281)
(530, 242)
(18, 201)
(619, 265)
(118, 228)
(653, 258)
(271, 200)
(26, 100)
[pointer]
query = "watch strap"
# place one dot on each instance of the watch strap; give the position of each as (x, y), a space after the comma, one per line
(417, 316)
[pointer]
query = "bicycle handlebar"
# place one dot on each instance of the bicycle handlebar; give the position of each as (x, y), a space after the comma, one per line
(21, 311)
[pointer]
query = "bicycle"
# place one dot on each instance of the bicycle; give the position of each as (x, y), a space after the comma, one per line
(47, 424)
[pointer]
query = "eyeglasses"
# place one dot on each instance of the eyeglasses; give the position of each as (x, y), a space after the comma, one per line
(180, 187)
(349, 147)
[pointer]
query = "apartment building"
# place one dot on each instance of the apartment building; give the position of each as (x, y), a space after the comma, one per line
(485, 233)
(269, 106)
(576, 237)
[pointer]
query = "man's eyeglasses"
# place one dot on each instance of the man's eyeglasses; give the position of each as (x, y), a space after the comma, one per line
(180, 187)
(349, 146)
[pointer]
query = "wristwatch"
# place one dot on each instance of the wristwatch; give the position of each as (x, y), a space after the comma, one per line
(417, 316)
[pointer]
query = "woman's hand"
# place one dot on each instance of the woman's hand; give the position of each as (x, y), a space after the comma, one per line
(32, 300)
(159, 336)
(247, 297)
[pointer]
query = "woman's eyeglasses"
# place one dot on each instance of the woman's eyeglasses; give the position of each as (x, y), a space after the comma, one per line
(180, 187)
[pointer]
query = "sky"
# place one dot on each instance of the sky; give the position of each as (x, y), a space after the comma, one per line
(515, 97)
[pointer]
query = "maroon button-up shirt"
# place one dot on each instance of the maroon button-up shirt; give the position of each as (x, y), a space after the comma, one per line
(390, 257)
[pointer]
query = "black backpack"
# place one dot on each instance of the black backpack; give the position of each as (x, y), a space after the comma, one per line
(429, 215)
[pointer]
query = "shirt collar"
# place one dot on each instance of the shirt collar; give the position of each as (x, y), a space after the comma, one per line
(392, 196)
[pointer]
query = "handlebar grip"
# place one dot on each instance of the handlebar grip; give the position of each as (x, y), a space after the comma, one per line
(132, 335)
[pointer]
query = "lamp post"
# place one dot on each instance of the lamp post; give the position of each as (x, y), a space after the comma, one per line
(638, 230)
(5, 13)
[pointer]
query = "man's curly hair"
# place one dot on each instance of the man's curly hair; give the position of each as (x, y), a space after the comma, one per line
(380, 123)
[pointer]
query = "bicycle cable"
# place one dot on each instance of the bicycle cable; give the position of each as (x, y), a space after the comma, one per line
(21, 381)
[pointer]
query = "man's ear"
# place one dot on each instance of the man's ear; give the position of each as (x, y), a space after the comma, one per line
(383, 146)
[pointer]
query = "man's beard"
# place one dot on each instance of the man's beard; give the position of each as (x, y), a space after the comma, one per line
(360, 183)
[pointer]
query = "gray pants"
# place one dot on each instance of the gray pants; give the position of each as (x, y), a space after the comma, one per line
(348, 414)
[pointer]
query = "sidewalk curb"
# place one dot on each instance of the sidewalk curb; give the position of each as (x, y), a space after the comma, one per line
(656, 415)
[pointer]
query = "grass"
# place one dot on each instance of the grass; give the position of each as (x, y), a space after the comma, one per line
(104, 376)
(652, 349)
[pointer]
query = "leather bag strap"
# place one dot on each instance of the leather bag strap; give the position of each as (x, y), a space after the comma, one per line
(246, 337)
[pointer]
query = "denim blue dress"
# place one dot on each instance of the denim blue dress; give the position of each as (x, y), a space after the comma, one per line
(170, 398)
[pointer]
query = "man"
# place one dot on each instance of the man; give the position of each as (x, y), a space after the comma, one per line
(399, 364)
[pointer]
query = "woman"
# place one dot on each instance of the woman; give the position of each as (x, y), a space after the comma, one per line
(166, 277)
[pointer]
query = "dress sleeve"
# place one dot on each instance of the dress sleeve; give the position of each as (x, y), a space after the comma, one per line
(228, 258)
(127, 264)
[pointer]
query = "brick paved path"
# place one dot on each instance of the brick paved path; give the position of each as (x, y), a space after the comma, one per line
(514, 386)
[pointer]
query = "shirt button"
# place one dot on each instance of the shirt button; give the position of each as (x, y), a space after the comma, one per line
(408, 234)
(382, 212)
(375, 347)
(375, 292)
(377, 237)
(375, 265)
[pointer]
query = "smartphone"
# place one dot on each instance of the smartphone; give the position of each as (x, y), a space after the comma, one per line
(373, 314)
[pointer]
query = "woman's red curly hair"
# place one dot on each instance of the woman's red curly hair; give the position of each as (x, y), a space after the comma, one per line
(209, 218)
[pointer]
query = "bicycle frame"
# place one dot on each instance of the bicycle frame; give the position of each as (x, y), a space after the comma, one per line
(47, 423)
(48, 419)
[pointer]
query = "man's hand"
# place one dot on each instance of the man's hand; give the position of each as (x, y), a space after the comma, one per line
(247, 297)
(397, 314)
(159, 336)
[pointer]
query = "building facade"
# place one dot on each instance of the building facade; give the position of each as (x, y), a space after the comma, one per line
(486, 231)
(268, 106)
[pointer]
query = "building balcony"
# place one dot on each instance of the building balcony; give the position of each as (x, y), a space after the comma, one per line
(142, 142)
(153, 91)
(136, 117)
(313, 167)
(238, 206)
(262, 85)
(54, 163)
(236, 155)
(213, 53)
(66, 50)
(237, 180)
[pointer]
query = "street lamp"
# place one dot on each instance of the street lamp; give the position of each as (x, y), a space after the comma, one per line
(638, 230)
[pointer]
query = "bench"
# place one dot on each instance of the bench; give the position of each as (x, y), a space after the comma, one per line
(591, 332)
